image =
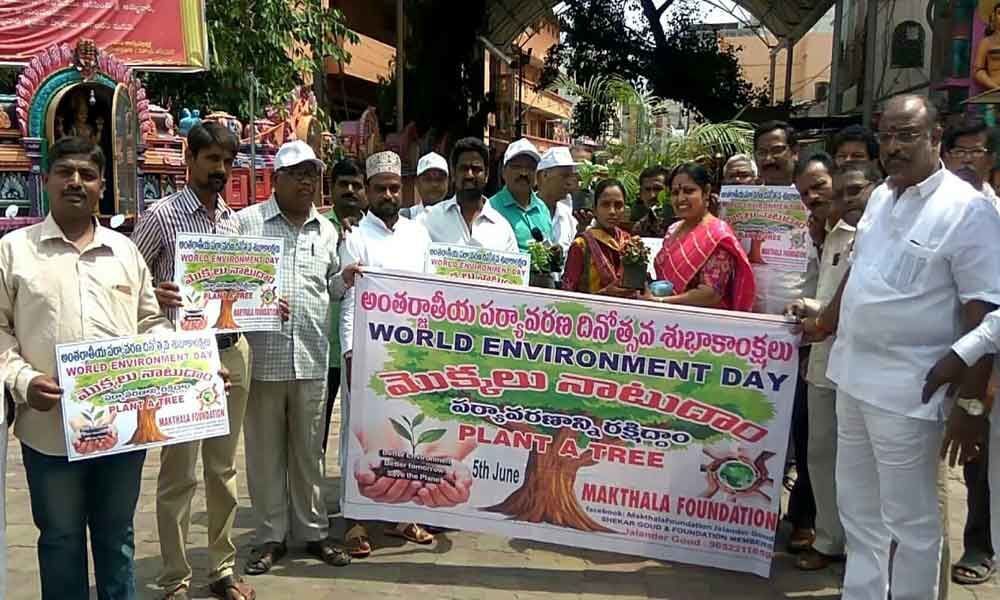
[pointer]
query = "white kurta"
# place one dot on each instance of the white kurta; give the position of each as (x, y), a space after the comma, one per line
(917, 258)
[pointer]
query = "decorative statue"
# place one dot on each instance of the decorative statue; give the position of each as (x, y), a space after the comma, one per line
(189, 118)
(80, 126)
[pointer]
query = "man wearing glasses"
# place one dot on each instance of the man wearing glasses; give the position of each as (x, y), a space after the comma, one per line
(285, 415)
(968, 153)
(925, 269)
(517, 200)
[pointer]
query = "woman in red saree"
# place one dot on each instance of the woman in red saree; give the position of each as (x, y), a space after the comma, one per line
(701, 256)
(594, 260)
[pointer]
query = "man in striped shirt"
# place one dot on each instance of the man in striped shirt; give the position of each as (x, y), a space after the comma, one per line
(198, 208)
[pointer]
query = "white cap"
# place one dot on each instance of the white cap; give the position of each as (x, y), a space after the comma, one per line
(519, 147)
(557, 157)
(383, 162)
(430, 161)
(295, 153)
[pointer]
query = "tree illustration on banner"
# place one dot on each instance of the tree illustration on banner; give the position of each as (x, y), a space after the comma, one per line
(757, 229)
(147, 429)
(227, 288)
(547, 493)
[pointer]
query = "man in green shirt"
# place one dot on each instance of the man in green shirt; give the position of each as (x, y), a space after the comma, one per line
(517, 201)
(349, 204)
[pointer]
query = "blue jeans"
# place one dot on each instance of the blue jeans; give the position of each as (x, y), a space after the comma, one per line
(67, 499)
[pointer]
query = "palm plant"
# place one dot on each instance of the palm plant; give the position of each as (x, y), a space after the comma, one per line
(641, 143)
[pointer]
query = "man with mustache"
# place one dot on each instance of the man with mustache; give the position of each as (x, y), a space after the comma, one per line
(740, 169)
(349, 205)
(67, 280)
(925, 268)
(517, 201)
(968, 153)
(432, 184)
(467, 218)
(777, 151)
(854, 143)
(284, 420)
(198, 208)
(383, 239)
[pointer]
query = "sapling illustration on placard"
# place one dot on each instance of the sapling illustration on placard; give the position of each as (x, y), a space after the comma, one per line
(94, 431)
(408, 431)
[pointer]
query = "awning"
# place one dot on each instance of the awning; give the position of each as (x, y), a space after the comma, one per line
(784, 18)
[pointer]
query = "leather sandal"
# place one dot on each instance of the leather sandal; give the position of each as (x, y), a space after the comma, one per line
(223, 588)
(328, 552)
(179, 593)
(266, 556)
(801, 540)
(814, 560)
(358, 544)
(410, 532)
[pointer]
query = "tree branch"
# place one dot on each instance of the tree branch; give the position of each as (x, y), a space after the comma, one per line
(664, 8)
(653, 14)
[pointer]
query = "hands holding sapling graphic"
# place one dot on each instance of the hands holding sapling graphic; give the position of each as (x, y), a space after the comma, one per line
(377, 483)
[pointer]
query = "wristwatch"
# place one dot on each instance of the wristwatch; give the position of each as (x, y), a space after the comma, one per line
(973, 406)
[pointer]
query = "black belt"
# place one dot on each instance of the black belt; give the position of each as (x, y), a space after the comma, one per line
(225, 341)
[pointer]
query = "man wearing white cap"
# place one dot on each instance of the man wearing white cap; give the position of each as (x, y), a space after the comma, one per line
(285, 415)
(466, 218)
(432, 184)
(556, 178)
(383, 239)
(517, 202)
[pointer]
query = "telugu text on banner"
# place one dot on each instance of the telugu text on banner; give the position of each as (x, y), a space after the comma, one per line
(479, 264)
(565, 418)
(140, 392)
(228, 283)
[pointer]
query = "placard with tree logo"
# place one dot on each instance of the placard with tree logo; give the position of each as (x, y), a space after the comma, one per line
(771, 222)
(140, 392)
(228, 283)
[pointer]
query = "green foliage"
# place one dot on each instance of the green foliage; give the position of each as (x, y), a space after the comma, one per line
(277, 40)
(671, 57)
(409, 432)
(750, 404)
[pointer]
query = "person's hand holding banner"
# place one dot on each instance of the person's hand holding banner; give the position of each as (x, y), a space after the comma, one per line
(44, 393)
(168, 294)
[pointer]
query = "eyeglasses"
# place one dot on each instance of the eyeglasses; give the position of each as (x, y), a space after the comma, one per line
(772, 152)
(963, 153)
(905, 136)
(306, 174)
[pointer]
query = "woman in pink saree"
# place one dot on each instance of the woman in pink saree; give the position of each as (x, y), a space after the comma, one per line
(701, 256)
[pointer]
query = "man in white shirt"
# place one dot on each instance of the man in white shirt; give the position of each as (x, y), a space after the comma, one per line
(383, 239)
(467, 218)
(925, 267)
(432, 184)
(555, 174)
(968, 153)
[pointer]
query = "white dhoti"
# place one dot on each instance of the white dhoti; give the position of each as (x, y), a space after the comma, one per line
(3, 506)
(887, 466)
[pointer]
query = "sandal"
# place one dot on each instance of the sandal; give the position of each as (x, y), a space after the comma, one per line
(410, 532)
(326, 551)
(801, 540)
(180, 593)
(267, 555)
(970, 571)
(223, 589)
(814, 560)
(358, 545)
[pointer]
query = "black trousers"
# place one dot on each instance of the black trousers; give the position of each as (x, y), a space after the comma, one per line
(801, 503)
(976, 536)
(332, 385)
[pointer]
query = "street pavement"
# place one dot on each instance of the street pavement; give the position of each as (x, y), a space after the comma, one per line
(464, 566)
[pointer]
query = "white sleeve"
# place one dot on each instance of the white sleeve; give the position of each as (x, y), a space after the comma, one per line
(975, 254)
(981, 341)
(350, 254)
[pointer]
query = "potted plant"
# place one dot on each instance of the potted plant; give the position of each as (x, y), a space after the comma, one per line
(635, 262)
(541, 266)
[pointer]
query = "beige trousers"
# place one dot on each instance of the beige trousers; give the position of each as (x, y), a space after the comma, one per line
(822, 467)
(176, 485)
(284, 449)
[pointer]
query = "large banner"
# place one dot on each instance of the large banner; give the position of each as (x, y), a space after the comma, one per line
(140, 392)
(228, 283)
(167, 35)
(479, 264)
(581, 420)
(771, 222)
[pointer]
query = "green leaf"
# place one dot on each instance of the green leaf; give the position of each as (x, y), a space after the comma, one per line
(417, 420)
(401, 430)
(409, 425)
(431, 435)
